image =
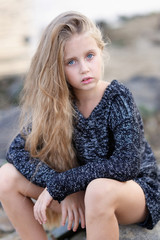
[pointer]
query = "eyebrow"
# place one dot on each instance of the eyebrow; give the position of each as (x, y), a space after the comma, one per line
(71, 58)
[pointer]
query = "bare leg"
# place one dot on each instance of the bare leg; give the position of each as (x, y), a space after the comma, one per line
(15, 195)
(109, 203)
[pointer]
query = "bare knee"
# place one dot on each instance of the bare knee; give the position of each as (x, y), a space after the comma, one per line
(8, 178)
(100, 190)
(100, 197)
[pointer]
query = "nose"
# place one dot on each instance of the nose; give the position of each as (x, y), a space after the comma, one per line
(84, 67)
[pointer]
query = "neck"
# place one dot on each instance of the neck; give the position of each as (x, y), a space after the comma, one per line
(88, 100)
(84, 96)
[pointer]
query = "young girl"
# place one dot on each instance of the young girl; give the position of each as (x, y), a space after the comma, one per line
(82, 151)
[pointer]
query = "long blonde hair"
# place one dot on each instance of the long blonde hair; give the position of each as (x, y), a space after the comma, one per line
(46, 97)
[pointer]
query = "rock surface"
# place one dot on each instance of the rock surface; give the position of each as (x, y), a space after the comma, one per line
(135, 232)
(7, 231)
(8, 127)
(132, 232)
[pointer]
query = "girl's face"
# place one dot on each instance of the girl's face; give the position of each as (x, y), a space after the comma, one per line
(82, 62)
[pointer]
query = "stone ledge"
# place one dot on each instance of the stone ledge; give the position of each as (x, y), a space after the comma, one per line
(134, 232)
(131, 232)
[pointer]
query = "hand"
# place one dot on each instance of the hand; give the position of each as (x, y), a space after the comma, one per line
(72, 207)
(43, 201)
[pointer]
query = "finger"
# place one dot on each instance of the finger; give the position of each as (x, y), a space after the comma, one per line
(70, 219)
(64, 216)
(76, 220)
(82, 218)
(36, 213)
(43, 214)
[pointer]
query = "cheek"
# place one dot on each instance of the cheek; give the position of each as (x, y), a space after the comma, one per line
(101, 66)
(98, 68)
(69, 75)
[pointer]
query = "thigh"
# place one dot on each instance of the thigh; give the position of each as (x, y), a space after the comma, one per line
(131, 203)
(125, 199)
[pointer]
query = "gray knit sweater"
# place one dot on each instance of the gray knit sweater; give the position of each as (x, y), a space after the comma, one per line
(110, 143)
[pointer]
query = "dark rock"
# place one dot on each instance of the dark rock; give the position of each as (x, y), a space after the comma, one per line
(146, 91)
(9, 124)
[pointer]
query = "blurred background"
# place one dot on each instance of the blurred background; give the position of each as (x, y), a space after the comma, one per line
(133, 28)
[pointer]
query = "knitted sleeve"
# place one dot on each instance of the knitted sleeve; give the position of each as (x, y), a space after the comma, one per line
(122, 165)
(33, 169)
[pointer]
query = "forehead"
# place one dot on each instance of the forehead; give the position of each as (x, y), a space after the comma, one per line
(79, 43)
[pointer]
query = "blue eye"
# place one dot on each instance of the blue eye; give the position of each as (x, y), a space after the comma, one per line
(90, 56)
(71, 62)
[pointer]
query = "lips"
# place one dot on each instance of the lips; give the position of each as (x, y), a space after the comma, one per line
(87, 79)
